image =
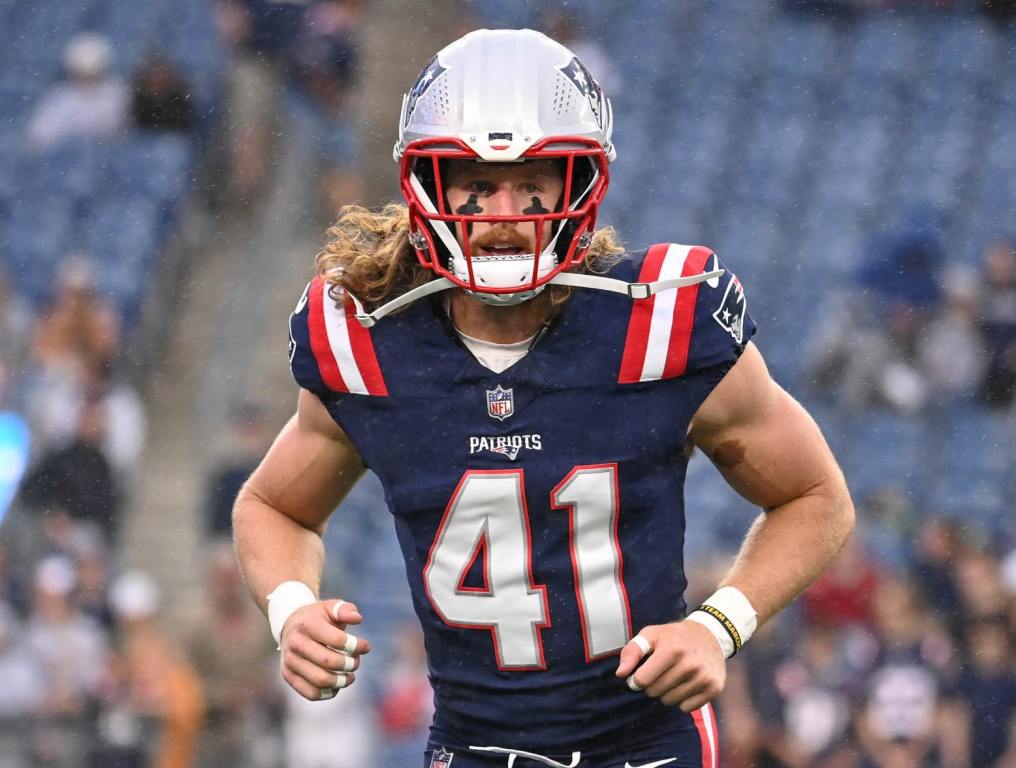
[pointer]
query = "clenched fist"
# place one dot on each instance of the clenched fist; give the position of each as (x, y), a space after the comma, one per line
(684, 664)
(318, 654)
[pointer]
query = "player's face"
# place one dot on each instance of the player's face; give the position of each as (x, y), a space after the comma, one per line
(504, 189)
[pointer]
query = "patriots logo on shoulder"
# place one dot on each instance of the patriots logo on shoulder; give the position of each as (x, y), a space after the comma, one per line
(730, 313)
(441, 758)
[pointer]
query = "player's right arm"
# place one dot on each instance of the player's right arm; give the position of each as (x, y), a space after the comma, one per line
(278, 520)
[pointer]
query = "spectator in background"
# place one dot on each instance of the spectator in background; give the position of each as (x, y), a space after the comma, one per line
(988, 686)
(841, 597)
(161, 100)
(76, 478)
(23, 686)
(76, 343)
(909, 715)
(978, 577)
(940, 545)
(322, 73)
(91, 103)
(70, 650)
(233, 653)
(159, 684)
(247, 439)
(329, 734)
(16, 321)
(93, 566)
(815, 686)
(868, 352)
(14, 592)
(78, 334)
(953, 354)
(998, 322)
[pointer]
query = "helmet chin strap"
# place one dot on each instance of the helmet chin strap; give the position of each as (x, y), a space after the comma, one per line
(635, 291)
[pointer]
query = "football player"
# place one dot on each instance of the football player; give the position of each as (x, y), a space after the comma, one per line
(528, 394)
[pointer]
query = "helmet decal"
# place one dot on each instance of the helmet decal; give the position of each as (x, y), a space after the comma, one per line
(576, 71)
(424, 80)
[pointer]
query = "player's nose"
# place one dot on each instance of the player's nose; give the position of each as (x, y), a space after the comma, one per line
(503, 201)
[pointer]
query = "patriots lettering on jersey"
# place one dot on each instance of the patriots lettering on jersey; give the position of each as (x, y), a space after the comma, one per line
(730, 313)
(505, 445)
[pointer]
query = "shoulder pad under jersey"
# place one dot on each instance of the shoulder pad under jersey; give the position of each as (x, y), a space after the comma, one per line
(684, 329)
(329, 351)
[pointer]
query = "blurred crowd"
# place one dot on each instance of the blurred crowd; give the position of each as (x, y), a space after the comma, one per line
(918, 333)
(93, 676)
(300, 60)
(886, 663)
(901, 656)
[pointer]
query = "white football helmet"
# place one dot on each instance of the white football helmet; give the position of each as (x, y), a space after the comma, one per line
(504, 96)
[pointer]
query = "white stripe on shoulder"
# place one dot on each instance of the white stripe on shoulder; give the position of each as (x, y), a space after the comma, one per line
(338, 340)
(663, 315)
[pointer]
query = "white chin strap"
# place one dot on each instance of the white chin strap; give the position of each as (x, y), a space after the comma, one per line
(570, 279)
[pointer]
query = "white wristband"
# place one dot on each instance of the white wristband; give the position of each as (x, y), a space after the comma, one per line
(729, 616)
(289, 596)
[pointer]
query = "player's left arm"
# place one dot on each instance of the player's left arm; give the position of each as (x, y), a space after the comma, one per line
(771, 451)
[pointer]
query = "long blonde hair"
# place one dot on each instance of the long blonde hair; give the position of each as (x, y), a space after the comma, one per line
(367, 253)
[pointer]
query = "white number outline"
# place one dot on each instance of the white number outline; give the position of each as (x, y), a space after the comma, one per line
(482, 548)
(615, 519)
(483, 543)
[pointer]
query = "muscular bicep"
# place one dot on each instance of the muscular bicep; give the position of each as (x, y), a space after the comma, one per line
(763, 442)
(310, 467)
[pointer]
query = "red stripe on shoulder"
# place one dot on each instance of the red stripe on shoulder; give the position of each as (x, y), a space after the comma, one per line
(364, 355)
(319, 344)
(684, 314)
(637, 340)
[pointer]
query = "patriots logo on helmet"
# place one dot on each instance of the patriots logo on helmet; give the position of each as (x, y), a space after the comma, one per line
(432, 72)
(730, 313)
(576, 71)
(441, 758)
(500, 402)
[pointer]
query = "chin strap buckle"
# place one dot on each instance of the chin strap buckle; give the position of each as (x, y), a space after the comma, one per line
(639, 290)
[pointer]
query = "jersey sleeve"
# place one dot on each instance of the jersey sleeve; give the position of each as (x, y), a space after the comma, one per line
(688, 329)
(722, 326)
(330, 353)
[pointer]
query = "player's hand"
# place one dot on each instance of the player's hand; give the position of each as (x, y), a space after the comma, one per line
(318, 654)
(683, 665)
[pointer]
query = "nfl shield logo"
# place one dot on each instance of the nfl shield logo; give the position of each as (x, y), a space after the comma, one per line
(500, 403)
(441, 758)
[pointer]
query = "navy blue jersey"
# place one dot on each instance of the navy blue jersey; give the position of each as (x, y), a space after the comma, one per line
(540, 509)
